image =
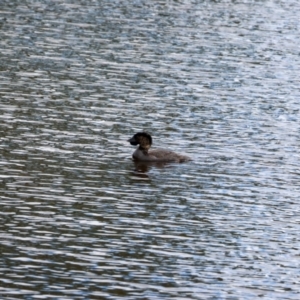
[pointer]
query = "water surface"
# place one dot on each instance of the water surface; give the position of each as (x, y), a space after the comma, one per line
(216, 80)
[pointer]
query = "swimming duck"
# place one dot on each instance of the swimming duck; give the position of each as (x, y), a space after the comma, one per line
(142, 153)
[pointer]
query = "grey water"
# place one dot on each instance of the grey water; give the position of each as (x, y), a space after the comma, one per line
(215, 80)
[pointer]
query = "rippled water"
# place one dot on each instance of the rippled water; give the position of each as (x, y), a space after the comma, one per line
(216, 80)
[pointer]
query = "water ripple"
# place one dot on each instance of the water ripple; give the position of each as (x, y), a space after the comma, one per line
(215, 80)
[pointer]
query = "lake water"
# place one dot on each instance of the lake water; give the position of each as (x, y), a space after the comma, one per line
(216, 80)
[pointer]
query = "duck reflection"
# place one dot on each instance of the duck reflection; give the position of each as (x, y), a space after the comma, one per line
(141, 169)
(144, 167)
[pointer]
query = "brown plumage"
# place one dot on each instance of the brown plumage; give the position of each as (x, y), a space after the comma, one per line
(142, 153)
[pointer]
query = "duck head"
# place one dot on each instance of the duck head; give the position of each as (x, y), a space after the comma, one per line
(143, 139)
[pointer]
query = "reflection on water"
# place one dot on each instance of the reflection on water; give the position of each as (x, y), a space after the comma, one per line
(142, 170)
(145, 167)
(216, 80)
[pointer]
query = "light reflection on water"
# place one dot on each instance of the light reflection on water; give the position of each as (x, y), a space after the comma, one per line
(214, 80)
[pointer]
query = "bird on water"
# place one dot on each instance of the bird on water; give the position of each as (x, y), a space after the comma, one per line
(142, 152)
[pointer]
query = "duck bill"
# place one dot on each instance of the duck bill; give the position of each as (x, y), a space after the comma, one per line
(133, 142)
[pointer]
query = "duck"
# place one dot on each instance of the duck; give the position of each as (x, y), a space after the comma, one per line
(143, 154)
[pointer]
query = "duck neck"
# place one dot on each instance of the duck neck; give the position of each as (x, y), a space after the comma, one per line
(144, 149)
